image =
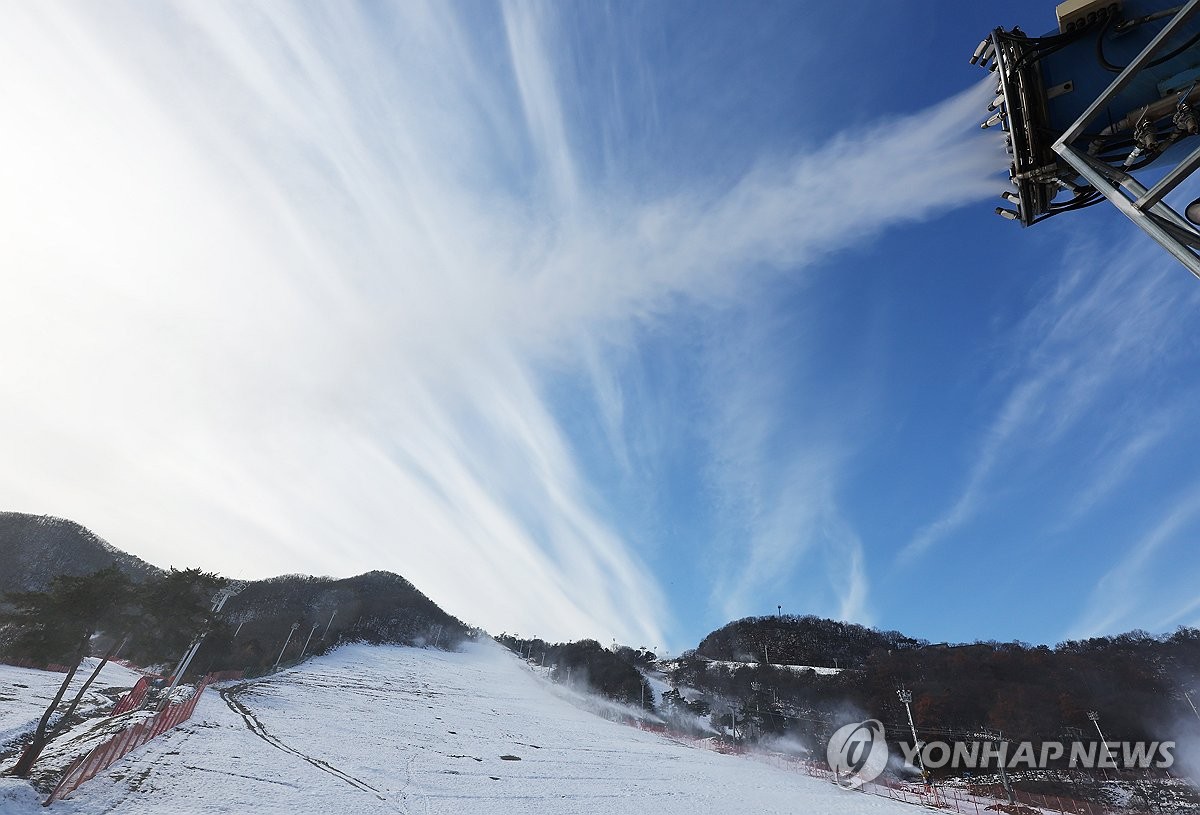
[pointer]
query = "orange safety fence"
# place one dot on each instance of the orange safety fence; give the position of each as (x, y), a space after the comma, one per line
(104, 755)
(133, 699)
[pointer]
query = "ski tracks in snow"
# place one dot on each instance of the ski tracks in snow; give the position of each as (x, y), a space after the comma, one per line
(230, 695)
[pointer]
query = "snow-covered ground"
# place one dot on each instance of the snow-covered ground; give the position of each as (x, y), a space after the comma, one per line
(24, 694)
(388, 729)
(817, 669)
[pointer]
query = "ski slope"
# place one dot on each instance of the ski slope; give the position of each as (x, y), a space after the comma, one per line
(388, 729)
(24, 694)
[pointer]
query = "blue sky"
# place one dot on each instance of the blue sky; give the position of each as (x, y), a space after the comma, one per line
(605, 319)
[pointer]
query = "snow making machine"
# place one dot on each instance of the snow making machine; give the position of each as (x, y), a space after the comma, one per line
(1110, 97)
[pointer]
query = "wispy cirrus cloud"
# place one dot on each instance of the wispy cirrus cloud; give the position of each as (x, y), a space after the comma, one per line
(1125, 595)
(1107, 322)
(283, 282)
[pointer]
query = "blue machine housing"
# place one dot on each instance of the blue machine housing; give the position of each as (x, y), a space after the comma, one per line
(1044, 85)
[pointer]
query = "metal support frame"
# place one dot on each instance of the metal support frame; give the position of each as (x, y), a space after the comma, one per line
(1146, 207)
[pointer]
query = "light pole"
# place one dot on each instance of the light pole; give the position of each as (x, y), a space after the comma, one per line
(331, 616)
(285, 645)
(218, 604)
(905, 696)
(1094, 718)
(1188, 695)
(307, 641)
(998, 736)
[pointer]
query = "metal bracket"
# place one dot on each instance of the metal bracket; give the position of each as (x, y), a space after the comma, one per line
(1143, 206)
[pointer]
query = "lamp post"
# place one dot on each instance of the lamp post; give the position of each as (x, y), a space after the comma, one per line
(905, 696)
(1188, 695)
(218, 604)
(285, 645)
(1094, 718)
(999, 736)
(307, 641)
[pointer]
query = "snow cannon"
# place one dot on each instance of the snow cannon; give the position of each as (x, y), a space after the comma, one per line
(1114, 92)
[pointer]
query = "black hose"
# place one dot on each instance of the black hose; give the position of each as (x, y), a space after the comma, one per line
(1079, 202)
(1116, 69)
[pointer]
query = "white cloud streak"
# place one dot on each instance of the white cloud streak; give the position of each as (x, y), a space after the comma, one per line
(278, 294)
(1109, 318)
(1123, 596)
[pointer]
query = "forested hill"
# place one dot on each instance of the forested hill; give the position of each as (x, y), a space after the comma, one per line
(256, 622)
(807, 640)
(376, 607)
(34, 549)
(1136, 680)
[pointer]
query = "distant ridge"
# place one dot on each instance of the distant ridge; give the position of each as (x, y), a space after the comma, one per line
(36, 548)
(376, 607)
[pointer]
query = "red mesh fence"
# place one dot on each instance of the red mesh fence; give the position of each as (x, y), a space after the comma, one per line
(132, 700)
(104, 755)
(39, 666)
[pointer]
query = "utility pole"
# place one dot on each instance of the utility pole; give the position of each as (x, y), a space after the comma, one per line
(307, 641)
(285, 645)
(218, 604)
(905, 696)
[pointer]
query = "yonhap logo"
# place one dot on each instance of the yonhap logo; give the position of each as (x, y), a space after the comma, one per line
(857, 753)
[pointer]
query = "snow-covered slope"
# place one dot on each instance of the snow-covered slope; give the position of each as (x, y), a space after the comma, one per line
(817, 669)
(24, 694)
(388, 729)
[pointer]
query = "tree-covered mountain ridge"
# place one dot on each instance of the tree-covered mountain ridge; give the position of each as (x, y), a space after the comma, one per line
(278, 619)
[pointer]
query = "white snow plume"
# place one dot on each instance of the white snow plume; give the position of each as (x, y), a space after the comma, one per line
(786, 744)
(283, 282)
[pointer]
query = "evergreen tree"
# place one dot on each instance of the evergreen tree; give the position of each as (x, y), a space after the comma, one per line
(58, 625)
(175, 609)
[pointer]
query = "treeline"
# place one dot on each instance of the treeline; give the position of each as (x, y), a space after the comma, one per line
(162, 616)
(801, 640)
(376, 607)
(1135, 682)
(34, 549)
(154, 619)
(613, 674)
(104, 613)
